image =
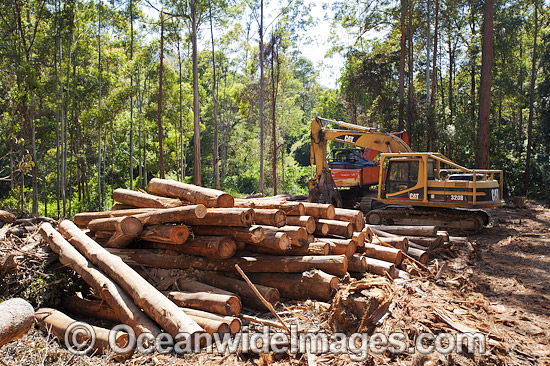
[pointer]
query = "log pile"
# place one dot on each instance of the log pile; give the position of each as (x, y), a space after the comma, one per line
(167, 259)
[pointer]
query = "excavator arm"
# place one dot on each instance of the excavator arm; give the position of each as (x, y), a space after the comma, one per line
(321, 183)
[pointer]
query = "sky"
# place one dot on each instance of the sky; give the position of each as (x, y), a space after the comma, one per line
(329, 68)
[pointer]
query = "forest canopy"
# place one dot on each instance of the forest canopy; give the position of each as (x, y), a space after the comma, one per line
(97, 95)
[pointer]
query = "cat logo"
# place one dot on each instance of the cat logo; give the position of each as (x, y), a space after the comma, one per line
(494, 194)
(349, 139)
(414, 196)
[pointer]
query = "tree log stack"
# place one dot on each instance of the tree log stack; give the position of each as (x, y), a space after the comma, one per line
(167, 258)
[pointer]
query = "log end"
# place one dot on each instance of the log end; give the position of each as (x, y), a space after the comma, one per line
(179, 234)
(225, 201)
(227, 248)
(330, 212)
(284, 241)
(200, 211)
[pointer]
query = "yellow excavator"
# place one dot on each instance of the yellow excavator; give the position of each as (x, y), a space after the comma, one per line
(413, 187)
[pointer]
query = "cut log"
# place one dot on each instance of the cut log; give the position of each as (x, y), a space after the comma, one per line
(107, 289)
(315, 248)
(319, 210)
(55, 322)
(296, 234)
(90, 308)
(240, 288)
(140, 199)
(333, 264)
(356, 217)
(190, 285)
(383, 253)
(177, 215)
(307, 222)
(313, 284)
(6, 216)
(127, 229)
(126, 224)
(368, 234)
(424, 242)
(233, 322)
(212, 247)
(156, 305)
(407, 230)
(270, 216)
(251, 235)
(444, 235)
(121, 206)
(379, 267)
(206, 301)
(321, 228)
(211, 326)
(397, 242)
(346, 247)
(169, 234)
(340, 228)
(273, 240)
(290, 208)
(418, 254)
(190, 193)
(357, 263)
(242, 217)
(82, 219)
(359, 238)
(16, 319)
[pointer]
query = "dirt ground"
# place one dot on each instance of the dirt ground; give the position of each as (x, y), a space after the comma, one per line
(498, 282)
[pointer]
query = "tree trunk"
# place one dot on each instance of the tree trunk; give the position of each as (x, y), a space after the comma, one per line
(241, 217)
(168, 234)
(296, 234)
(270, 216)
(159, 111)
(290, 208)
(262, 92)
(402, 50)
(131, 96)
(191, 193)
(146, 200)
(251, 235)
(83, 219)
(345, 247)
(432, 115)
(334, 264)
(340, 228)
(177, 215)
(411, 111)
(207, 301)
(17, 319)
(273, 240)
(482, 157)
(307, 222)
(196, 110)
(212, 247)
(392, 255)
(405, 230)
(313, 248)
(58, 324)
(313, 284)
(215, 98)
(531, 99)
(320, 210)
(157, 306)
(240, 288)
(107, 289)
(354, 216)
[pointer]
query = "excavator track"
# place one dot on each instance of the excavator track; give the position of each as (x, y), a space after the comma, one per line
(444, 218)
